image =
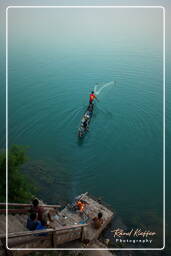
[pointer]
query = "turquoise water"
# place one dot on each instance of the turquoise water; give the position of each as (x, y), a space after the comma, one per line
(120, 159)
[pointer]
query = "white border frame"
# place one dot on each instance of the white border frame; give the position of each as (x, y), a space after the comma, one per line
(164, 78)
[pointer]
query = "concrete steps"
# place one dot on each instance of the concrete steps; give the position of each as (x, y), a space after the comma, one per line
(16, 223)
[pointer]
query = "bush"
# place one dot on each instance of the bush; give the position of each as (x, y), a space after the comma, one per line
(19, 188)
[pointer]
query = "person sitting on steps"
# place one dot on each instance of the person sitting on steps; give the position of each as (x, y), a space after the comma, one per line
(97, 221)
(32, 221)
(38, 209)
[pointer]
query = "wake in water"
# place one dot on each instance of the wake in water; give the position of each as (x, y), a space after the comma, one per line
(100, 86)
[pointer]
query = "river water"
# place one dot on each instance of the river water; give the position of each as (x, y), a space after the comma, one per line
(52, 70)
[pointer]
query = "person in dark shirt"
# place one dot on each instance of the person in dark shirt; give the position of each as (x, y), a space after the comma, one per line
(32, 221)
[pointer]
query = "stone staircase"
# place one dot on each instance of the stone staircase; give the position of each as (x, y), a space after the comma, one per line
(16, 223)
(67, 228)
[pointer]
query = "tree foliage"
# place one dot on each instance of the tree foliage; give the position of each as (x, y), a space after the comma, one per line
(19, 188)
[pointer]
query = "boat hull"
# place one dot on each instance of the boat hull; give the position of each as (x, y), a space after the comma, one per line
(88, 114)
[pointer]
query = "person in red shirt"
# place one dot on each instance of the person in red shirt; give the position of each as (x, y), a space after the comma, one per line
(92, 97)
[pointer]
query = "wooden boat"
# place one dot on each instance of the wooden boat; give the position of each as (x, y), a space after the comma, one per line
(85, 121)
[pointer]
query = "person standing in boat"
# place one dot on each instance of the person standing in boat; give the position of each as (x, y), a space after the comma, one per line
(92, 97)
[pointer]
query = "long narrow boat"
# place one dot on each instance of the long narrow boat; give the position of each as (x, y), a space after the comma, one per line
(87, 116)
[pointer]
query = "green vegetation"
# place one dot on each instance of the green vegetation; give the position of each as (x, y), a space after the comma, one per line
(19, 188)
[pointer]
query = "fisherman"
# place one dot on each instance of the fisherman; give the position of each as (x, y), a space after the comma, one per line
(92, 97)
